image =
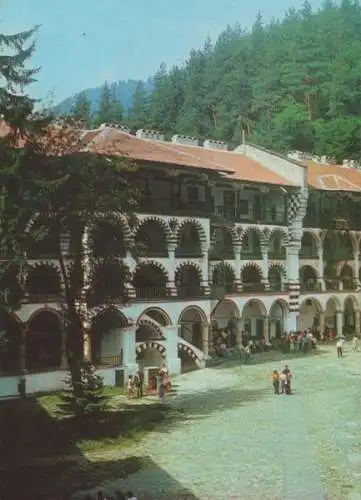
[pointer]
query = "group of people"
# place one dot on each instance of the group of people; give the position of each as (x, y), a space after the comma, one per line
(135, 385)
(161, 383)
(281, 381)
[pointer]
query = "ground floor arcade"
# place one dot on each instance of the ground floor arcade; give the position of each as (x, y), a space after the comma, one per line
(179, 334)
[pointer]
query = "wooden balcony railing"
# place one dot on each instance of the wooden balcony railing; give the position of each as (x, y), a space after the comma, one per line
(151, 292)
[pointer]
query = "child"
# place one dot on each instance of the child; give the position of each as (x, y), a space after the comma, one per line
(276, 381)
(283, 380)
(130, 387)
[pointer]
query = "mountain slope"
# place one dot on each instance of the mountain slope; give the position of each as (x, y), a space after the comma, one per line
(124, 90)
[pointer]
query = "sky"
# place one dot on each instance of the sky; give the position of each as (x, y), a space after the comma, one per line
(82, 43)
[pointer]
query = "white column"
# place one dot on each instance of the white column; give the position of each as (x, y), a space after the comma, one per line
(253, 326)
(172, 290)
(322, 322)
(321, 281)
(129, 350)
(294, 287)
(205, 272)
(356, 257)
(339, 322)
(266, 329)
(357, 322)
(240, 329)
(237, 267)
(173, 362)
(205, 339)
(264, 250)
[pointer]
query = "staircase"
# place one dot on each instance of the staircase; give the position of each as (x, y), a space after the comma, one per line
(200, 359)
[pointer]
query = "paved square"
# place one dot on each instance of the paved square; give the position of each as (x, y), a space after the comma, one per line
(235, 439)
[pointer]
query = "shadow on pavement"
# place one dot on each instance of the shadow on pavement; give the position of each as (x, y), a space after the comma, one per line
(265, 357)
(151, 482)
(39, 456)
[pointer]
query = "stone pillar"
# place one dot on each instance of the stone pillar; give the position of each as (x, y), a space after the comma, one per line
(129, 350)
(357, 321)
(205, 339)
(172, 290)
(22, 349)
(205, 272)
(64, 361)
(240, 329)
(356, 258)
(339, 322)
(264, 251)
(237, 266)
(321, 281)
(294, 288)
(173, 362)
(266, 328)
(322, 322)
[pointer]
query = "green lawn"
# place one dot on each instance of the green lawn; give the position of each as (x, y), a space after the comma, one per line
(48, 451)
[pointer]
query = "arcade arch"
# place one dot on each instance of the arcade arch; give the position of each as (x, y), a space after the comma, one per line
(277, 319)
(44, 341)
(309, 316)
(254, 316)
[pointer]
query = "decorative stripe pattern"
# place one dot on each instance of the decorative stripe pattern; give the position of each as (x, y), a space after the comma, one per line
(151, 345)
(188, 350)
(294, 295)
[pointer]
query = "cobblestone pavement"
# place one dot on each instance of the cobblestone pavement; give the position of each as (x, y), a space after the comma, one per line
(233, 438)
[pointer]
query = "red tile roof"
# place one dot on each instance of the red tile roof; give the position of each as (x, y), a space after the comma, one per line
(234, 165)
(333, 177)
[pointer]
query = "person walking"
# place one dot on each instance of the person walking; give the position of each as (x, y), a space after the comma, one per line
(339, 345)
(139, 383)
(276, 381)
(355, 343)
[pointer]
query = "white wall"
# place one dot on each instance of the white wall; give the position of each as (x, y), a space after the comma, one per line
(289, 170)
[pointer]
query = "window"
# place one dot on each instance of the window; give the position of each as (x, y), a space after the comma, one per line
(243, 207)
(192, 193)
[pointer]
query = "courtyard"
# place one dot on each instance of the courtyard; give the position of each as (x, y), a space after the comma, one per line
(232, 438)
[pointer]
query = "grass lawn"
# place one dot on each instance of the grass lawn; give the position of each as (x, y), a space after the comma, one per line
(48, 451)
(32, 428)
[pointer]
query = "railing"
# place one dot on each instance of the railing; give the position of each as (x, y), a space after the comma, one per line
(225, 253)
(35, 298)
(310, 286)
(253, 287)
(252, 254)
(219, 290)
(151, 292)
(332, 284)
(175, 206)
(192, 252)
(308, 253)
(192, 291)
(279, 254)
(274, 217)
(113, 361)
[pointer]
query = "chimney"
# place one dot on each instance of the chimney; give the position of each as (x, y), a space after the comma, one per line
(151, 135)
(184, 140)
(209, 144)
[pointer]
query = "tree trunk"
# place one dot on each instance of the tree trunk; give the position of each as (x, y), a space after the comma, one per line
(74, 346)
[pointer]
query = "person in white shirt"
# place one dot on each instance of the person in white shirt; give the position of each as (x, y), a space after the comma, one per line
(130, 496)
(355, 343)
(339, 346)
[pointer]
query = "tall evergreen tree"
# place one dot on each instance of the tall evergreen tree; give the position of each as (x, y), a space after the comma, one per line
(138, 115)
(109, 109)
(81, 109)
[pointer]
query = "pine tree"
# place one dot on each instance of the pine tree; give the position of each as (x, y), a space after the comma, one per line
(138, 112)
(81, 110)
(110, 109)
(84, 398)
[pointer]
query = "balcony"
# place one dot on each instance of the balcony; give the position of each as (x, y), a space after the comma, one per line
(232, 214)
(277, 254)
(308, 252)
(176, 206)
(151, 292)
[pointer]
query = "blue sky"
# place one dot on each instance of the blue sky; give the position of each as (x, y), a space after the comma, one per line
(122, 39)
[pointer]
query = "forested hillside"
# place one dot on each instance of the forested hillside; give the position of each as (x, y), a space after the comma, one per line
(292, 84)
